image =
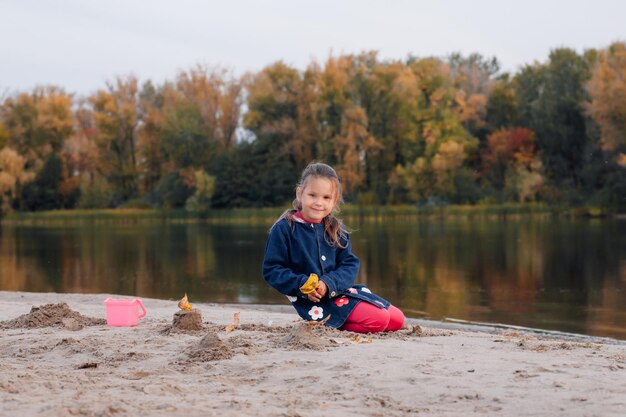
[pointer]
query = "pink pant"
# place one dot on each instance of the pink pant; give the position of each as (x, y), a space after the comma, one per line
(366, 318)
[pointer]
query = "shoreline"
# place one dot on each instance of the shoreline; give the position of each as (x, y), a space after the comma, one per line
(450, 323)
(273, 364)
(267, 215)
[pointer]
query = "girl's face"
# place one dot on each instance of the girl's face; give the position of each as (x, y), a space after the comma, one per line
(317, 198)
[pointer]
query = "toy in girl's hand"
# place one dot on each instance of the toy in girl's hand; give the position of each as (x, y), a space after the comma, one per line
(183, 304)
(311, 284)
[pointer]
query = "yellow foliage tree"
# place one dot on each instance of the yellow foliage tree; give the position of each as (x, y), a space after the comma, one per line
(12, 174)
(37, 123)
(352, 146)
(217, 96)
(4, 135)
(607, 89)
(115, 113)
(440, 143)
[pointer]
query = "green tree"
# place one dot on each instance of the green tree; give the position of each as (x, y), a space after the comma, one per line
(502, 107)
(195, 124)
(184, 141)
(204, 185)
(44, 193)
(274, 105)
(173, 191)
(551, 99)
(150, 165)
(253, 175)
(81, 158)
(386, 93)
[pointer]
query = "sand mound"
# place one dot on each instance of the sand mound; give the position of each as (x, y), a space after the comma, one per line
(304, 336)
(210, 348)
(187, 320)
(51, 315)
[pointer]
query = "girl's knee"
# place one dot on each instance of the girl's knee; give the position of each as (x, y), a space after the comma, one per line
(396, 319)
(367, 318)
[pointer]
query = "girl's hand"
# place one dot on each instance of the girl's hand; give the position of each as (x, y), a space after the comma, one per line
(319, 292)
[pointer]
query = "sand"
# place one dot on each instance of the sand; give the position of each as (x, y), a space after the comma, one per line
(61, 360)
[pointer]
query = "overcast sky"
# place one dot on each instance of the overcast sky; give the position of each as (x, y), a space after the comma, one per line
(80, 44)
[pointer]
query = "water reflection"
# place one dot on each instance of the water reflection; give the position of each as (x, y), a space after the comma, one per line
(554, 274)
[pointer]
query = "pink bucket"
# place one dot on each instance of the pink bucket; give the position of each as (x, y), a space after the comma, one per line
(124, 312)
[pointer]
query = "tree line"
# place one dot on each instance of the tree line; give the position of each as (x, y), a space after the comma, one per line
(453, 130)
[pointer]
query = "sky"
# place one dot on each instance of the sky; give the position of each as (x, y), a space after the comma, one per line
(80, 45)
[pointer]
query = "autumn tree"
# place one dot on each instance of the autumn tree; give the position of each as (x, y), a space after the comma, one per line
(442, 144)
(511, 164)
(36, 126)
(474, 76)
(606, 166)
(607, 90)
(4, 135)
(38, 123)
(346, 132)
(13, 173)
(352, 146)
(115, 113)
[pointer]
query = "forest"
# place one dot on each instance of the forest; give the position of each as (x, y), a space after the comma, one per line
(416, 131)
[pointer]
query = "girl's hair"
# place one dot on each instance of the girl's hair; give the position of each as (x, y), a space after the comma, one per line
(334, 228)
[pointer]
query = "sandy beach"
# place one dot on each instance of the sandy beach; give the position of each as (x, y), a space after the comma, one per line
(63, 360)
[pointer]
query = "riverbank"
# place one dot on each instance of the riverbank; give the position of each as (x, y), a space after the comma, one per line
(271, 364)
(268, 215)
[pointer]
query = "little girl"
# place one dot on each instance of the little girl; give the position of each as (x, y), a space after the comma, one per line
(308, 258)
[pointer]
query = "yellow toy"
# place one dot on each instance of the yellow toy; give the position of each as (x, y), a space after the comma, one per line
(311, 284)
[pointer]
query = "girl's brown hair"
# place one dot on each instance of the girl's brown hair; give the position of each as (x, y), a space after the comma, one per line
(334, 228)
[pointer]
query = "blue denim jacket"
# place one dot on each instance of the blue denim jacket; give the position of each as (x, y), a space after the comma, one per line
(296, 249)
